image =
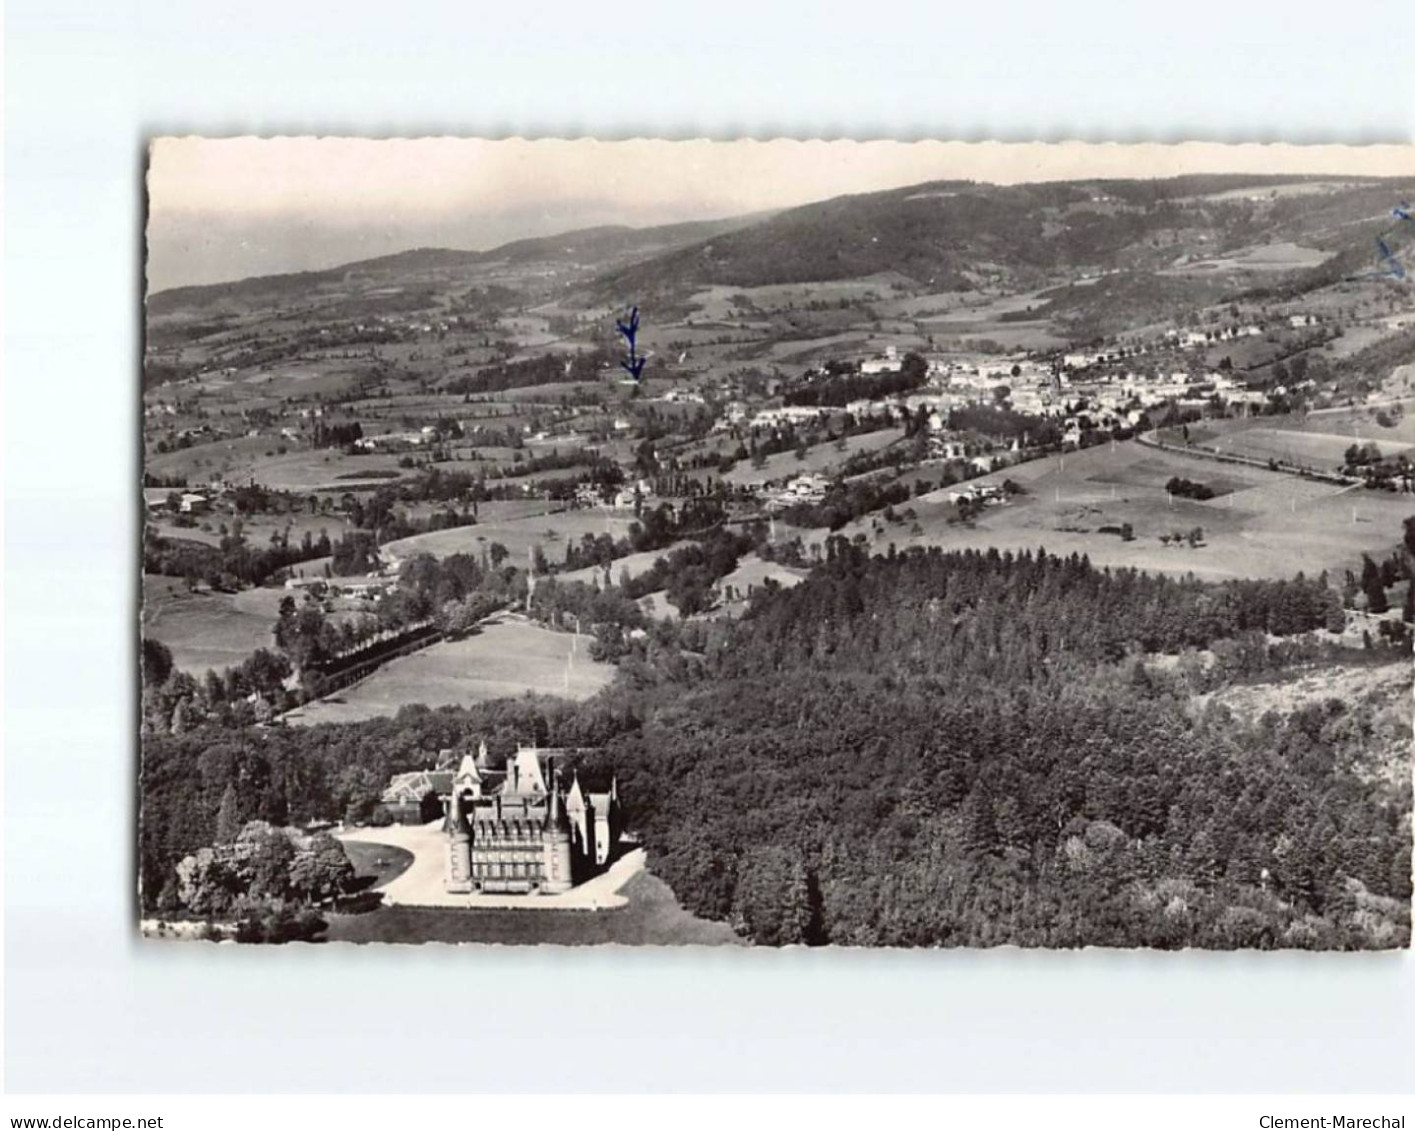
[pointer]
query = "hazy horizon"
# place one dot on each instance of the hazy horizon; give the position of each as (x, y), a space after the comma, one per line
(227, 209)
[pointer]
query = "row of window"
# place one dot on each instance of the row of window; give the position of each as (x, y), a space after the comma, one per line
(483, 837)
(481, 853)
(517, 870)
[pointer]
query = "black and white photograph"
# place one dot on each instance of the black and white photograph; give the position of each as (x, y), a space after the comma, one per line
(776, 544)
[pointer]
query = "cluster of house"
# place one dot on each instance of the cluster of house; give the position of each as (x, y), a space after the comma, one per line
(396, 323)
(801, 489)
(626, 498)
(682, 396)
(370, 587)
(989, 494)
(160, 499)
(1208, 337)
(397, 441)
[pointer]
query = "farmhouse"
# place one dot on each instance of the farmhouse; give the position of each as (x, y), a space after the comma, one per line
(769, 417)
(889, 363)
(630, 497)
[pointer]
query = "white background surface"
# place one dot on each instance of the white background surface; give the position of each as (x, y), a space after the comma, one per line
(87, 1008)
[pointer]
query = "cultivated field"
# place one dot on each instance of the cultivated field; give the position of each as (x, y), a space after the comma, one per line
(1264, 524)
(506, 658)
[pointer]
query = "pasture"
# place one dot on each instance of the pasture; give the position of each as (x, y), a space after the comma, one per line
(1262, 524)
(258, 528)
(519, 535)
(507, 658)
(204, 629)
(1321, 450)
(631, 565)
(1259, 257)
(821, 459)
(259, 458)
(1318, 439)
(751, 574)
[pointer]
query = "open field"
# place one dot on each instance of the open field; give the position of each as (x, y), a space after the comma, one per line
(715, 304)
(819, 459)
(257, 529)
(244, 458)
(1323, 450)
(1266, 524)
(507, 658)
(1355, 424)
(1317, 439)
(519, 536)
(653, 917)
(204, 629)
(751, 574)
(630, 564)
(1262, 257)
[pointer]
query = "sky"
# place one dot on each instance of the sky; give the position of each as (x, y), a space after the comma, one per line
(222, 209)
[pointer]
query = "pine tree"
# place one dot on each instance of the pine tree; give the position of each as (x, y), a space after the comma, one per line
(228, 819)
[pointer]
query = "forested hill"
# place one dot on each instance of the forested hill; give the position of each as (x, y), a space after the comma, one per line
(992, 615)
(933, 749)
(946, 749)
(943, 234)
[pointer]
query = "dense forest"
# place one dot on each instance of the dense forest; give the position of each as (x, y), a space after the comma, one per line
(932, 749)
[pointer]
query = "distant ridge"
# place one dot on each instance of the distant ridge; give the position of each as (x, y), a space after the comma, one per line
(590, 244)
(939, 233)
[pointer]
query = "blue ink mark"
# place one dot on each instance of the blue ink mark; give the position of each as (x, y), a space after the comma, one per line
(633, 364)
(1393, 266)
(1404, 212)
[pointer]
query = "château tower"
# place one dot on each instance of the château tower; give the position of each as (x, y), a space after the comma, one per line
(557, 875)
(459, 848)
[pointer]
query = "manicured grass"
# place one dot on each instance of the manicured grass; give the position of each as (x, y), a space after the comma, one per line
(652, 918)
(378, 862)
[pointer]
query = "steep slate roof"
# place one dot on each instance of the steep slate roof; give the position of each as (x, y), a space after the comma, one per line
(415, 785)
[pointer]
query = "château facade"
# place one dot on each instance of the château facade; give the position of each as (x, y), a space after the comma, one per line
(520, 831)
